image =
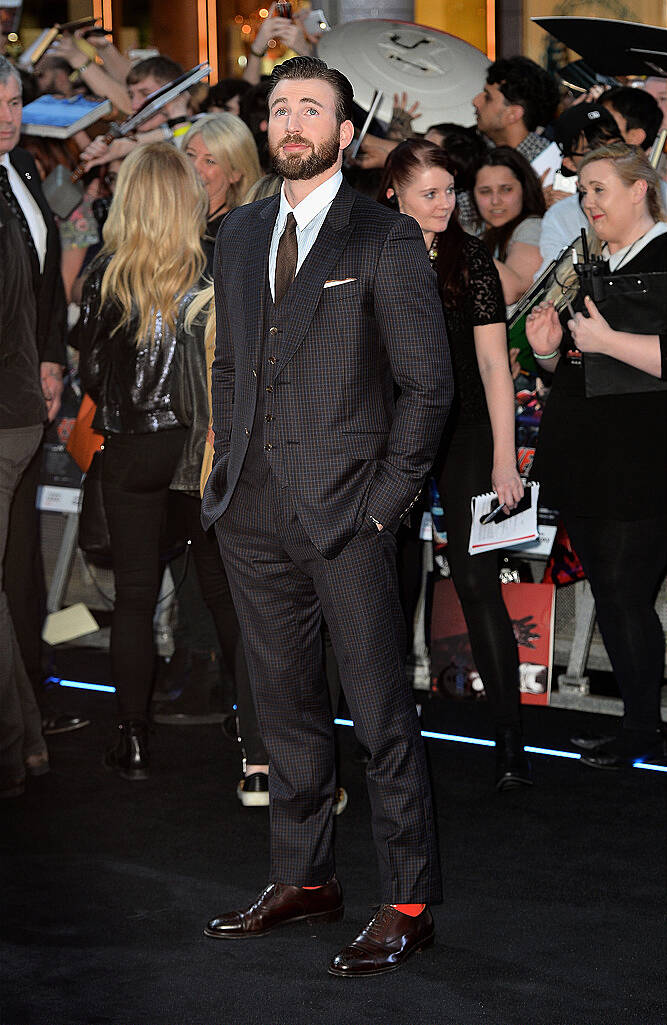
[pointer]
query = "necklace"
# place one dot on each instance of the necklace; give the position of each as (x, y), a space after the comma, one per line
(433, 250)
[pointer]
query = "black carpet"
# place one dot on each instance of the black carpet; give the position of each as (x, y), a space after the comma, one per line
(553, 910)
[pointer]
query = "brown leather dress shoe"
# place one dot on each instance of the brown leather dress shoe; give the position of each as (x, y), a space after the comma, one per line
(279, 904)
(388, 939)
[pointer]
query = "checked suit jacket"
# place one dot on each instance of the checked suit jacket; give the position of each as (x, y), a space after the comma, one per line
(361, 323)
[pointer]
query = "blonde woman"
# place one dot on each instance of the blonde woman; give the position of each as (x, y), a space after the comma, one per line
(601, 459)
(224, 154)
(133, 339)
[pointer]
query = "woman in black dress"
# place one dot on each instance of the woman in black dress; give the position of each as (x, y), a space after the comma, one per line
(601, 460)
(477, 449)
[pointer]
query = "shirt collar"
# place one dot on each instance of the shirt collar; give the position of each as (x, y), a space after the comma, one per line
(312, 205)
(4, 160)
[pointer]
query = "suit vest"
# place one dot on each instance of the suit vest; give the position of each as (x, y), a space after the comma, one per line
(266, 447)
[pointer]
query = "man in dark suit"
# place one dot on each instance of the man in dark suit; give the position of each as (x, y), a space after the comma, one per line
(24, 201)
(324, 302)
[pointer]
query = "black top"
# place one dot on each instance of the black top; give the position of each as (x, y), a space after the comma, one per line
(483, 303)
(604, 456)
(208, 241)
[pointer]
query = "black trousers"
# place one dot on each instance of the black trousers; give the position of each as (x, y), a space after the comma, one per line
(24, 573)
(218, 599)
(625, 562)
(282, 586)
(137, 470)
(466, 471)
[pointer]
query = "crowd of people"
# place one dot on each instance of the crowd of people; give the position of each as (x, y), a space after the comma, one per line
(125, 281)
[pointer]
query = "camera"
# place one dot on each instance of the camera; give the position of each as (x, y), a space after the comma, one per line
(283, 10)
(101, 210)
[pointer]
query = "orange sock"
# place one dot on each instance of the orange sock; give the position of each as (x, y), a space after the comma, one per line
(409, 909)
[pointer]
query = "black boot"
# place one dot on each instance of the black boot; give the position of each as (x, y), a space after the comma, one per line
(204, 699)
(129, 758)
(512, 765)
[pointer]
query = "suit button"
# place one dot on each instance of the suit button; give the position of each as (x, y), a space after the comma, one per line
(268, 447)
(246, 431)
(269, 387)
(254, 373)
(268, 417)
(273, 330)
(272, 360)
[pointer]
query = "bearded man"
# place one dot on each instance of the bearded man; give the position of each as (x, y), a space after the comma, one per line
(325, 301)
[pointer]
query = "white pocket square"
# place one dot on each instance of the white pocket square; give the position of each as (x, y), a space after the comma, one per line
(333, 283)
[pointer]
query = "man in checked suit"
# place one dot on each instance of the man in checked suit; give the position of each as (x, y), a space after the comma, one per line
(324, 301)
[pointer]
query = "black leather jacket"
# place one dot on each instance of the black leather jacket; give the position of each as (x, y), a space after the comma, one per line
(144, 388)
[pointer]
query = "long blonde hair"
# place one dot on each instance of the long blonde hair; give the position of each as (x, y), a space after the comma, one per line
(631, 164)
(153, 235)
(229, 141)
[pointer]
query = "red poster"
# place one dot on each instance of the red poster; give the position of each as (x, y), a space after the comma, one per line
(531, 608)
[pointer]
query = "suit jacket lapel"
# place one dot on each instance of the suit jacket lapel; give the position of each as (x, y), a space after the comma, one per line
(255, 281)
(306, 290)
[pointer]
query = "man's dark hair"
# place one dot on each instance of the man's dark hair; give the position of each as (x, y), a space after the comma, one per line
(525, 83)
(313, 67)
(639, 109)
(225, 90)
(163, 70)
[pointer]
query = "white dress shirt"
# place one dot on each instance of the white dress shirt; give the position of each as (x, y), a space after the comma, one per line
(33, 214)
(309, 215)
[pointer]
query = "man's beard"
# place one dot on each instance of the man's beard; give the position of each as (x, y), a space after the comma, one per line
(300, 168)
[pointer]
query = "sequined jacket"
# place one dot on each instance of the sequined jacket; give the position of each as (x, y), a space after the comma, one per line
(156, 385)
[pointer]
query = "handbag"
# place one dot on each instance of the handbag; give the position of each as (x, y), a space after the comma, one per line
(628, 302)
(84, 441)
(94, 538)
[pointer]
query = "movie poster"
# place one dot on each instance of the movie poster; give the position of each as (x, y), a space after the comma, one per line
(531, 609)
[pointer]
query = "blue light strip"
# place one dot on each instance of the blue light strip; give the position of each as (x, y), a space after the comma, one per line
(479, 742)
(427, 734)
(78, 685)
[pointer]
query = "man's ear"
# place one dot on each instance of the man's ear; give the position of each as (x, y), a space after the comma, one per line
(346, 134)
(635, 137)
(514, 113)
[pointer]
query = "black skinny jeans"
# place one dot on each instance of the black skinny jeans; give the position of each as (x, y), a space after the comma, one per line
(625, 562)
(136, 472)
(218, 599)
(466, 472)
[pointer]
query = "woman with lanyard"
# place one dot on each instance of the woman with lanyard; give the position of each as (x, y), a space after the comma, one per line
(601, 460)
(477, 448)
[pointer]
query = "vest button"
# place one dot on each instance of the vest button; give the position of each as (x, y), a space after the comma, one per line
(272, 360)
(269, 387)
(268, 447)
(268, 417)
(273, 330)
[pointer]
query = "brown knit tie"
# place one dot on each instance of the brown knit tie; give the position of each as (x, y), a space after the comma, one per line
(288, 251)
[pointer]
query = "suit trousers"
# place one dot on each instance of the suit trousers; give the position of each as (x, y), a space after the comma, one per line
(282, 586)
(20, 719)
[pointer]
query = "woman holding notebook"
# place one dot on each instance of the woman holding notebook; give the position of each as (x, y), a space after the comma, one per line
(477, 449)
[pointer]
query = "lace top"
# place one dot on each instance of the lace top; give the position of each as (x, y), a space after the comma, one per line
(483, 304)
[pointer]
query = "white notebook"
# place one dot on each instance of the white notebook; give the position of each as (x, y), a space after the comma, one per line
(491, 528)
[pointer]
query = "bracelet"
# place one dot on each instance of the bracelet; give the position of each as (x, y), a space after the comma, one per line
(257, 55)
(552, 355)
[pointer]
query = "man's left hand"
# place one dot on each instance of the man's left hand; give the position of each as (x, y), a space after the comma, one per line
(51, 377)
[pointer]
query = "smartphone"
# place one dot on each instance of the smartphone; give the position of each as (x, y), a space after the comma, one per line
(565, 182)
(315, 23)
